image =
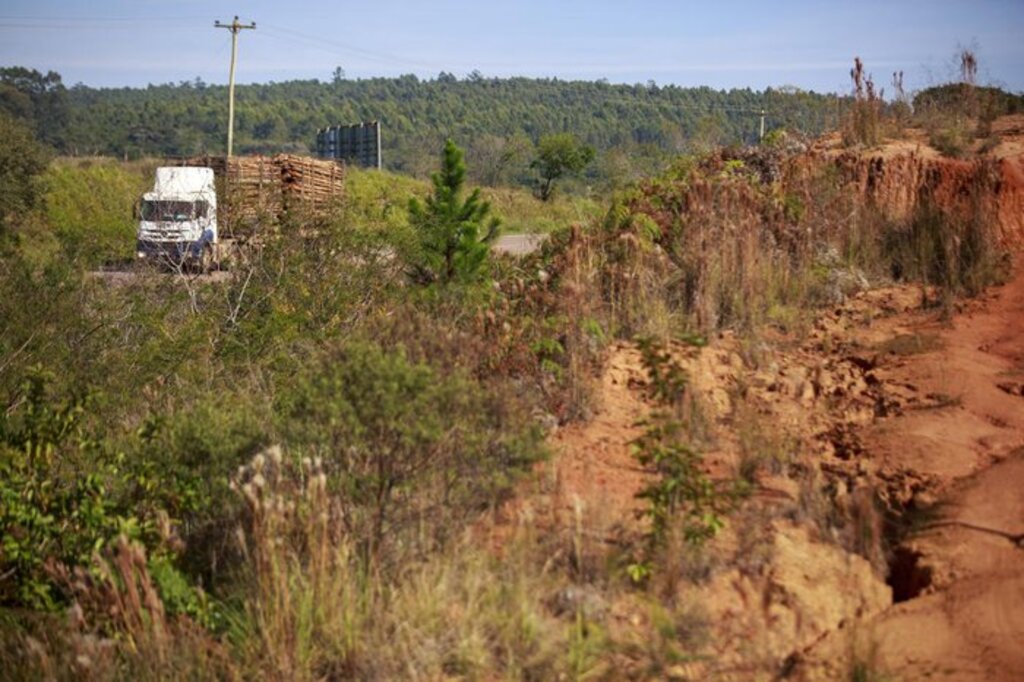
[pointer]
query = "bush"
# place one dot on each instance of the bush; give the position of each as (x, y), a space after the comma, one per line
(119, 627)
(55, 501)
(410, 452)
(950, 140)
(681, 500)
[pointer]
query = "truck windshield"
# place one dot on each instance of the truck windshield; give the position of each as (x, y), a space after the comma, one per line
(173, 211)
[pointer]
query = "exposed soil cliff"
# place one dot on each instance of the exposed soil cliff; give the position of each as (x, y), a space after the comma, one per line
(900, 175)
(884, 531)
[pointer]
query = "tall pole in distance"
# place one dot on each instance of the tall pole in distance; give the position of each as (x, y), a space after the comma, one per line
(234, 27)
(761, 137)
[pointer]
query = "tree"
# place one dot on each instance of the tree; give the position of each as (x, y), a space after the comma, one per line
(454, 235)
(557, 156)
(496, 158)
(41, 100)
(419, 114)
(22, 159)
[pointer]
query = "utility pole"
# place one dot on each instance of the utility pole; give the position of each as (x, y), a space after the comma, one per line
(761, 138)
(234, 27)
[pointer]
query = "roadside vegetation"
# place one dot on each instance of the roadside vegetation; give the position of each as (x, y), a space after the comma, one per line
(282, 473)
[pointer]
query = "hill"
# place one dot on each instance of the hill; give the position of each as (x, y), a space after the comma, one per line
(497, 120)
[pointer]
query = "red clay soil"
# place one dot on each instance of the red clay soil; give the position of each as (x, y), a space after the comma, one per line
(596, 473)
(589, 486)
(959, 579)
(897, 175)
(887, 397)
(881, 396)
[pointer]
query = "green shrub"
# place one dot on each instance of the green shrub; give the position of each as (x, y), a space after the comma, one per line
(55, 501)
(379, 200)
(951, 140)
(680, 499)
(411, 452)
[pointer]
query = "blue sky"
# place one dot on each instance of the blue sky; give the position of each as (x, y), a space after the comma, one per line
(723, 44)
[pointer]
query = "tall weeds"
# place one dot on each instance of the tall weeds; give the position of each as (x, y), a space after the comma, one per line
(950, 250)
(712, 246)
(863, 125)
(316, 610)
(116, 628)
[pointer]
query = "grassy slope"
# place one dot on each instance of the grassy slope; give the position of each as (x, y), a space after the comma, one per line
(382, 198)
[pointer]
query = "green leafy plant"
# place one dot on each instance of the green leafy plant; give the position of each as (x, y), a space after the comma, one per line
(680, 492)
(89, 207)
(409, 450)
(54, 499)
(22, 161)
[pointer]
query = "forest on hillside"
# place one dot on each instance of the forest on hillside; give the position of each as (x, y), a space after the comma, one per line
(633, 128)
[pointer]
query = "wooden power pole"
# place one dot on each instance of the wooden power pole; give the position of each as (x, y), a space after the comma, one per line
(234, 27)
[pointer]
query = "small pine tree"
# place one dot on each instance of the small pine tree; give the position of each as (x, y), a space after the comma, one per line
(455, 235)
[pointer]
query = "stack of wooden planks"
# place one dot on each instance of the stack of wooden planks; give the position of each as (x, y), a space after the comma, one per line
(313, 180)
(256, 191)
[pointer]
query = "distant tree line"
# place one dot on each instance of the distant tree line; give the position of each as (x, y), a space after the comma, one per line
(498, 121)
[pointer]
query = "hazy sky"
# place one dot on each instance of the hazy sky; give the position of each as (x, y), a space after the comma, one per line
(720, 43)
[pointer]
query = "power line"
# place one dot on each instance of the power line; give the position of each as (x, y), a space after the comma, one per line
(83, 23)
(330, 45)
(62, 18)
(83, 27)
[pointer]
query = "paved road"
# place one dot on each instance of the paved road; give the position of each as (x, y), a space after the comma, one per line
(519, 244)
(511, 244)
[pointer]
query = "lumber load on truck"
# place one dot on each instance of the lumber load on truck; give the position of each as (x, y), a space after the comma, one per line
(258, 191)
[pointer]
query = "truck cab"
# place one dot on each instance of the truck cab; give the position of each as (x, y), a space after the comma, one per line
(178, 219)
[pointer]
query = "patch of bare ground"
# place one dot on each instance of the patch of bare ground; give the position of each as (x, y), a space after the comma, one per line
(960, 571)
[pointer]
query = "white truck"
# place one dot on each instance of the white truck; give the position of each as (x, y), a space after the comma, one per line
(178, 219)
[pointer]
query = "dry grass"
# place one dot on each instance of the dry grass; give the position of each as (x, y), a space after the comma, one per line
(315, 611)
(117, 628)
